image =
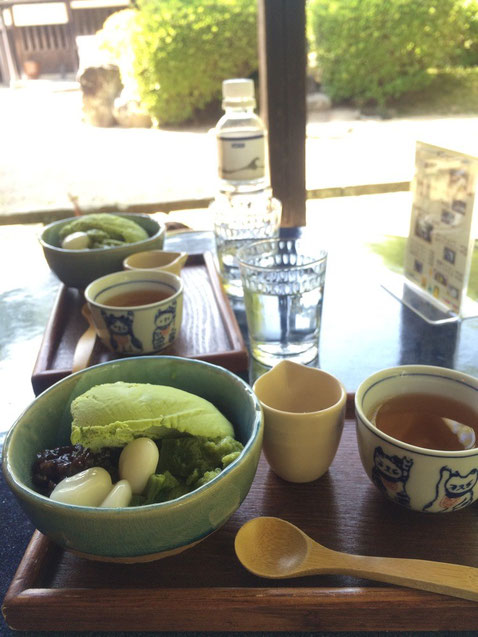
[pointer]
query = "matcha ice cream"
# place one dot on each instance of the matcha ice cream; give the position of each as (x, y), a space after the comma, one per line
(104, 229)
(113, 414)
(195, 441)
(186, 464)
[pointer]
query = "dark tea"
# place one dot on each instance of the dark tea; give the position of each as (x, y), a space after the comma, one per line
(132, 298)
(421, 420)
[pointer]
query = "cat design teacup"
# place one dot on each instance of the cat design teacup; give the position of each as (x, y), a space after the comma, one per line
(136, 311)
(431, 480)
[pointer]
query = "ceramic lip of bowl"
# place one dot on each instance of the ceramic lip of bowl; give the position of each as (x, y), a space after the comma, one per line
(409, 370)
(16, 484)
(160, 230)
(128, 279)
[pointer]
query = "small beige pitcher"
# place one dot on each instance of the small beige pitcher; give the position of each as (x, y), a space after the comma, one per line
(304, 411)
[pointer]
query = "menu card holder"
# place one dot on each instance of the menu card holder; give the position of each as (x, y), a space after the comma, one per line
(440, 242)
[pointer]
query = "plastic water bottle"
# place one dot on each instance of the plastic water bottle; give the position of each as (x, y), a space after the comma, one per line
(241, 141)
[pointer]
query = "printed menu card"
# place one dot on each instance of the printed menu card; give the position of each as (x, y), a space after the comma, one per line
(440, 242)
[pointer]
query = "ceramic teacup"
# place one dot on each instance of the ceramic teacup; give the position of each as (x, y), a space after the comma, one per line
(156, 260)
(304, 411)
(136, 311)
(418, 478)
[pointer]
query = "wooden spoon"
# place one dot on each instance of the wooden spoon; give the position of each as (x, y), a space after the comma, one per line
(271, 547)
(85, 344)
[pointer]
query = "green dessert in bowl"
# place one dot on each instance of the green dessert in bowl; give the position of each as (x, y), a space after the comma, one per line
(84, 248)
(100, 230)
(184, 441)
(149, 531)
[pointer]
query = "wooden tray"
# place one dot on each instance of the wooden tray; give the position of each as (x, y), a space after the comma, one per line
(207, 589)
(209, 330)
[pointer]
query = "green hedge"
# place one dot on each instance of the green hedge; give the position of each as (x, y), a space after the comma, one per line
(467, 51)
(184, 49)
(375, 50)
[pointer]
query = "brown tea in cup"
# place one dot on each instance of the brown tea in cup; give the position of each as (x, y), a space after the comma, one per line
(425, 420)
(134, 298)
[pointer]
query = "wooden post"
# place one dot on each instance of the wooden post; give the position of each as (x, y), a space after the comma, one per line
(282, 92)
(73, 48)
(8, 65)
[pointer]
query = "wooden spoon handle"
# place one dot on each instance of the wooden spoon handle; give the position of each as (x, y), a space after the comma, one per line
(85, 344)
(438, 577)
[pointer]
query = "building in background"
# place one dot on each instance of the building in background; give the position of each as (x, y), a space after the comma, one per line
(40, 37)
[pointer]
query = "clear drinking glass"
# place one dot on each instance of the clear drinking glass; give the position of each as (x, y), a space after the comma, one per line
(240, 219)
(283, 282)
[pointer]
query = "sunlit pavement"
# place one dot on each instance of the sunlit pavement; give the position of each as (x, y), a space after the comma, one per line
(48, 153)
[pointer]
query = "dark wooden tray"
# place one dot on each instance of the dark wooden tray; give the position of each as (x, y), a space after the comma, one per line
(209, 330)
(206, 588)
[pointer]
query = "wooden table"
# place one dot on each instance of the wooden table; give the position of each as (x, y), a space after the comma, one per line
(206, 588)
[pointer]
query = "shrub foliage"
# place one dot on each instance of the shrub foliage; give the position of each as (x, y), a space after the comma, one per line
(374, 50)
(467, 52)
(184, 49)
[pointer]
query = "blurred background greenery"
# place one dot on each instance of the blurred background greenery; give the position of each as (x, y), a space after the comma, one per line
(371, 51)
(395, 57)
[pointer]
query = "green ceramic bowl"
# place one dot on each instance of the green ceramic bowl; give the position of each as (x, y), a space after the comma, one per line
(135, 533)
(78, 268)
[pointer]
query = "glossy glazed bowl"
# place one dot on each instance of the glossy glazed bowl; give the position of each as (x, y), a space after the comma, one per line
(136, 533)
(78, 268)
(427, 480)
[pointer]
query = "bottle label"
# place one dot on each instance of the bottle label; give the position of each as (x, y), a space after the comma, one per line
(241, 158)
